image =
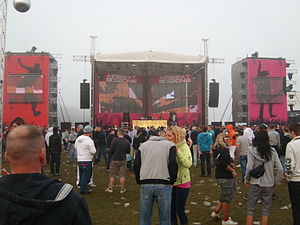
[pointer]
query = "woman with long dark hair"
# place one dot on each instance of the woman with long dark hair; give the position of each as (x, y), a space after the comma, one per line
(261, 188)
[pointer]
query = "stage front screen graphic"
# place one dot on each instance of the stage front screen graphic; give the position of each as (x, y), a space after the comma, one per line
(24, 88)
(120, 93)
(176, 93)
(267, 100)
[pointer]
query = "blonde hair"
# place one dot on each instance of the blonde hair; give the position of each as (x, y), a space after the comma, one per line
(178, 132)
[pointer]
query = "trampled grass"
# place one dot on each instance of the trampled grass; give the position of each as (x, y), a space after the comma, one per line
(109, 208)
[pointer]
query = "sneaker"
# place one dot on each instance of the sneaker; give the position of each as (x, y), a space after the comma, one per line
(215, 215)
(229, 222)
(109, 190)
(123, 190)
(92, 185)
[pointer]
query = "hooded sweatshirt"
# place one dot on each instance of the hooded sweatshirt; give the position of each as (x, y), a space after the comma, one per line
(27, 199)
(204, 140)
(292, 161)
(268, 179)
(85, 148)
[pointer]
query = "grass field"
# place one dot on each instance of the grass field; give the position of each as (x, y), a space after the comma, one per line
(109, 208)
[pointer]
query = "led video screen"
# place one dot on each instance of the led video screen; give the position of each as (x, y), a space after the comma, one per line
(174, 94)
(24, 88)
(118, 97)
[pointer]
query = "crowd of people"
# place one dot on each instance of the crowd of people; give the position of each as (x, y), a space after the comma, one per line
(160, 158)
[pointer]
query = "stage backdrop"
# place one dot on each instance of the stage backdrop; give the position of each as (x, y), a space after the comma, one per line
(26, 89)
(267, 100)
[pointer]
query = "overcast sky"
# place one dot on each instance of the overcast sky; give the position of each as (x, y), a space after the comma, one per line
(235, 28)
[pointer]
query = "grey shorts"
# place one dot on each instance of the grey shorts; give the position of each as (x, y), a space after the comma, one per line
(118, 168)
(255, 193)
(228, 189)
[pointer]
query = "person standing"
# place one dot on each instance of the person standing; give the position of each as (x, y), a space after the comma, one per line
(100, 137)
(29, 197)
(205, 145)
(242, 151)
(262, 188)
(119, 147)
(155, 170)
(85, 151)
(248, 132)
(274, 138)
(55, 152)
(232, 140)
(286, 138)
(182, 185)
(292, 170)
(72, 149)
(111, 135)
(194, 134)
(65, 137)
(225, 175)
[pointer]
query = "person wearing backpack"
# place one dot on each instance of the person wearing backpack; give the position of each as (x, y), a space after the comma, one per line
(262, 161)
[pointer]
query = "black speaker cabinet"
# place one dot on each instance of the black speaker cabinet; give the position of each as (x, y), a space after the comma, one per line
(84, 95)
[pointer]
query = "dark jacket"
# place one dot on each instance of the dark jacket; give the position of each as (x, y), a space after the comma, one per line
(284, 141)
(100, 136)
(194, 135)
(27, 199)
(119, 148)
(109, 139)
(222, 161)
(138, 140)
(55, 143)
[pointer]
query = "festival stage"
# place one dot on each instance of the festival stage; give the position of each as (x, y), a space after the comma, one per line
(132, 86)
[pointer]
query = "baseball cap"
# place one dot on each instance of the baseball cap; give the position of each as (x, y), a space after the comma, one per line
(87, 129)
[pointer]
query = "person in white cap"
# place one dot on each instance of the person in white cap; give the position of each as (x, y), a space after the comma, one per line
(85, 151)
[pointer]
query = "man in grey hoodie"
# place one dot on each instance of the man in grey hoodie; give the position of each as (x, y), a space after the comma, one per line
(155, 169)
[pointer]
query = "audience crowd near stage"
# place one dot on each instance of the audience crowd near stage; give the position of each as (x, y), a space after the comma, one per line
(161, 159)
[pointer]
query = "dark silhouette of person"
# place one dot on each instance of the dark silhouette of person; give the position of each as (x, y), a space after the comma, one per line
(28, 82)
(263, 92)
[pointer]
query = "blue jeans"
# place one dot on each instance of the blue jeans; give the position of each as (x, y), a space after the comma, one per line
(282, 160)
(72, 153)
(179, 196)
(101, 151)
(160, 193)
(85, 173)
(243, 161)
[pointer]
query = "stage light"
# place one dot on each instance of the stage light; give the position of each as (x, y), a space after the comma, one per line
(291, 107)
(22, 5)
(255, 54)
(290, 76)
(243, 75)
(291, 96)
(289, 88)
(287, 64)
(33, 49)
